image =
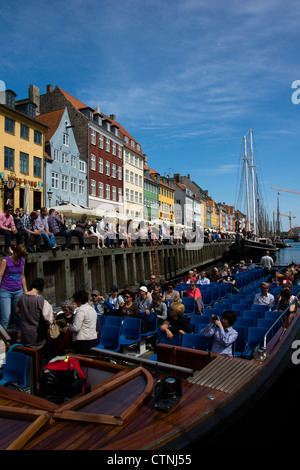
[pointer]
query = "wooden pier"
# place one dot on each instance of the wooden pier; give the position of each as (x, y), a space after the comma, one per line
(65, 272)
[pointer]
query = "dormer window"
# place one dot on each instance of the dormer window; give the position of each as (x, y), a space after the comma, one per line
(31, 110)
(10, 98)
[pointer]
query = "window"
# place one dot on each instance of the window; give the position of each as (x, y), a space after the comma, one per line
(107, 168)
(107, 145)
(55, 180)
(119, 151)
(113, 170)
(82, 166)
(114, 193)
(66, 140)
(93, 188)
(24, 163)
(140, 198)
(73, 161)
(132, 143)
(100, 165)
(136, 195)
(93, 162)
(37, 137)
(81, 186)
(131, 177)
(64, 182)
(64, 159)
(120, 194)
(136, 179)
(93, 137)
(101, 189)
(37, 167)
(24, 132)
(119, 172)
(131, 195)
(73, 184)
(114, 148)
(31, 110)
(127, 176)
(127, 194)
(107, 188)
(56, 155)
(140, 180)
(9, 125)
(101, 141)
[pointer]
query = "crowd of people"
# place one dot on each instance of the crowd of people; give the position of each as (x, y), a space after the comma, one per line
(78, 319)
(47, 225)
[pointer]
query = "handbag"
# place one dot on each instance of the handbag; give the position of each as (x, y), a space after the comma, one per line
(54, 330)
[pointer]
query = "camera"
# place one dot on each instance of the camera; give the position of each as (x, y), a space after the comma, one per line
(214, 317)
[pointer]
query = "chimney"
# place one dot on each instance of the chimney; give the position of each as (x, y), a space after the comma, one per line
(49, 88)
(34, 96)
(112, 117)
(177, 177)
(145, 159)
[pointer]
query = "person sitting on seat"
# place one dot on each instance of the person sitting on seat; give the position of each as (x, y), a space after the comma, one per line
(41, 224)
(202, 279)
(158, 306)
(264, 297)
(222, 332)
(195, 293)
(175, 322)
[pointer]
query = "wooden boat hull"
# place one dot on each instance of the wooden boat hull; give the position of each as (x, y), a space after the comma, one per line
(120, 413)
(251, 249)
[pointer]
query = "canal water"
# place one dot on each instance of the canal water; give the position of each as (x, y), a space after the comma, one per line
(272, 423)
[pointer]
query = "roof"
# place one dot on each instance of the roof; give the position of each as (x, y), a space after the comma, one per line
(80, 105)
(52, 120)
(74, 101)
(13, 110)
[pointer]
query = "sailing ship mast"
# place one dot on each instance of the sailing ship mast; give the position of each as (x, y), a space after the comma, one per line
(253, 186)
(247, 182)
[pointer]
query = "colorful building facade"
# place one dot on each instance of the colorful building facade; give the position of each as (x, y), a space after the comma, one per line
(21, 154)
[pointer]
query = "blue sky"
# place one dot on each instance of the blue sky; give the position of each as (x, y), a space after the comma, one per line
(186, 78)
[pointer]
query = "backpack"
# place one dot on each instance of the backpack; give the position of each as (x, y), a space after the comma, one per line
(62, 379)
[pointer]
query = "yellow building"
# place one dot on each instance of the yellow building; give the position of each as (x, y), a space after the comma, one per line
(21, 153)
(166, 197)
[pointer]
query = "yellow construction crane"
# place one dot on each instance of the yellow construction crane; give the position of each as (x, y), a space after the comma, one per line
(287, 190)
(289, 216)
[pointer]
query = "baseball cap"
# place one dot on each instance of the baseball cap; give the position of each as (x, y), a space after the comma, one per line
(95, 292)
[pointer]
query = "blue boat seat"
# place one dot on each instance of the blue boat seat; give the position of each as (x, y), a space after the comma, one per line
(189, 305)
(255, 337)
(130, 332)
(197, 320)
(15, 369)
(255, 314)
(109, 338)
(239, 345)
(196, 341)
(113, 320)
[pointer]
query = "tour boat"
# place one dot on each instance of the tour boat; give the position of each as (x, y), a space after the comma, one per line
(171, 401)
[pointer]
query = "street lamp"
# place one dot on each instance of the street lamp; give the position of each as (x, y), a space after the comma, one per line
(49, 194)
